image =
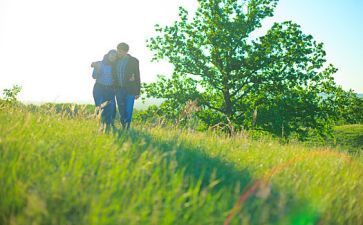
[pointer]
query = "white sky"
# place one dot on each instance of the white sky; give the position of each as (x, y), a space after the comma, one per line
(46, 46)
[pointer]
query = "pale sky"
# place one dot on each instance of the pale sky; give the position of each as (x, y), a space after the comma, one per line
(46, 46)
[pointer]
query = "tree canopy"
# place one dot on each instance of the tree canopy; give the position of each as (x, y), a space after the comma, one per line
(279, 82)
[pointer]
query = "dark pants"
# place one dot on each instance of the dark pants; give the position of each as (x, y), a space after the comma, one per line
(125, 104)
(104, 96)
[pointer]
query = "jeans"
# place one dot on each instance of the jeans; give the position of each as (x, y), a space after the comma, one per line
(101, 95)
(125, 104)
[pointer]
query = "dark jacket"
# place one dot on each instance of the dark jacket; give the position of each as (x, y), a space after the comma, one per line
(131, 77)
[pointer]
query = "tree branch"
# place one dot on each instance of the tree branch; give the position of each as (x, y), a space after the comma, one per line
(210, 106)
(244, 93)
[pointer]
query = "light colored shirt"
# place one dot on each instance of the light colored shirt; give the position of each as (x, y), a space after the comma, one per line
(120, 70)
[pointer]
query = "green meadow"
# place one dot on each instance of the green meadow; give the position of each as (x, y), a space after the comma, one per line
(349, 137)
(56, 169)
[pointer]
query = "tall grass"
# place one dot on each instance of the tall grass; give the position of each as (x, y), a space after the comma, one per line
(61, 170)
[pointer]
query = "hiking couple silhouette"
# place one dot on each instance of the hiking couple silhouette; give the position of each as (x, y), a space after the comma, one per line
(117, 82)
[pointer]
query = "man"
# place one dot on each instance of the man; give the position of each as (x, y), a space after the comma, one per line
(127, 83)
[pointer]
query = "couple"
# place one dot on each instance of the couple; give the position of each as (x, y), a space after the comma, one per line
(117, 81)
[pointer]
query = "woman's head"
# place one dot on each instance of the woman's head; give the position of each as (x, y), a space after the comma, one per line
(112, 55)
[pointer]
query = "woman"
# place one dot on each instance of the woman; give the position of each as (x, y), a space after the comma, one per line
(103, 92)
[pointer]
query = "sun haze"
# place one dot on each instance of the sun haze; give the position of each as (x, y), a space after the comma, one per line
(47, 46)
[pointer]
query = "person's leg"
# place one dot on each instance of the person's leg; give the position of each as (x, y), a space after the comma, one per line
(113, 116)
(121, 103)
(109, 108)
(97, 94)
(129, 107)
(98, 97)
(113, 112)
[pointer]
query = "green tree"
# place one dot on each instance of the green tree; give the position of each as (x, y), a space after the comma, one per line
(10, 95)
(218, 63)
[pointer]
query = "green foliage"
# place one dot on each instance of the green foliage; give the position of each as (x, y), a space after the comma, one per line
(281, 74)
(349, 107)
(10, 95)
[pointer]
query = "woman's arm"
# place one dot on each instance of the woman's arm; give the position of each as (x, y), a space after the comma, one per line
(95, 74)
(96, 69)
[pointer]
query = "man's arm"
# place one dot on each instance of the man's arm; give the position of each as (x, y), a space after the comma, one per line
(96, 64)
(96, 69)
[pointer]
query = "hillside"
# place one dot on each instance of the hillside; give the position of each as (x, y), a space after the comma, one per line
(349, 137)
(60, 170)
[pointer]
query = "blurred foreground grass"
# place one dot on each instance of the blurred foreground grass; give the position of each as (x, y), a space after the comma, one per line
(60, 170)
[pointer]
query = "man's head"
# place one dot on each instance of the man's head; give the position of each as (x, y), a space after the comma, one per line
(122, 49)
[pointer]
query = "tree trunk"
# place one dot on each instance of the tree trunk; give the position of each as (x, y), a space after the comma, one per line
(227, 97)
(254, 118)
(229, 111)
(228, 102)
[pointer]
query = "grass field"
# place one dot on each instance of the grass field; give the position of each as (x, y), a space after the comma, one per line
(58, 170)
(349, 137)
